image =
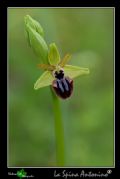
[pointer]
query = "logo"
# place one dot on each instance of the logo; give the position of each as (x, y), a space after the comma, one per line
(21, 174)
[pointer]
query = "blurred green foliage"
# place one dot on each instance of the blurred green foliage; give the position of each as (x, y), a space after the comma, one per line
(88, 115)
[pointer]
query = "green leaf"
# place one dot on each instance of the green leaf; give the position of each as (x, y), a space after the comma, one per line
(38, 44)
(34, 24)
(45, 79)
(75, 71)
(53, 54)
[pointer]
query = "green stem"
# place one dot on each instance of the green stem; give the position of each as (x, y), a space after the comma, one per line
(59, 130)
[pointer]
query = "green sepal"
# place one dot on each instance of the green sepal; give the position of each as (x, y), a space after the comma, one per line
(53, 54)
(75, 71)
(45, 79)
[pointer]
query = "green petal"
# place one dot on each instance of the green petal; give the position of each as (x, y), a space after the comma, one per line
(74, 71)
(53, 54)
(38, 44)
(65, 60)
(45, 79)
(34, 24)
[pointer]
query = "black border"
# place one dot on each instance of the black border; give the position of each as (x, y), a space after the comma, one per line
(117, 87)
(49, 172)
(3, 79)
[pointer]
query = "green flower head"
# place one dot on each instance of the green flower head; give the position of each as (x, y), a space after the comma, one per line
(56, 64)
(53, 63)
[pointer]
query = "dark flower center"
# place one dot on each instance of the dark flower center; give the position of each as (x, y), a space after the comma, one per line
(59, 75)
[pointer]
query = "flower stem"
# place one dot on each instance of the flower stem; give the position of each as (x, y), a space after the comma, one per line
(59, 131)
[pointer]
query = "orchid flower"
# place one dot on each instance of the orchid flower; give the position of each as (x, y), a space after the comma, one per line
(51, 57)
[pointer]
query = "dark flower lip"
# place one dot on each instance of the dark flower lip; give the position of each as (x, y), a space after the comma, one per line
(63, 91)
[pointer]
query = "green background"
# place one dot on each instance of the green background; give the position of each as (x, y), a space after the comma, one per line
(88, 116)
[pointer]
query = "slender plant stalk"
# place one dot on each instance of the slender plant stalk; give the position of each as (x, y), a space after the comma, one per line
(59, 131)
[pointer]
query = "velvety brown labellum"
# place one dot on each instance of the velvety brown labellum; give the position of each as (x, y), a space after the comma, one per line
(63, 87)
